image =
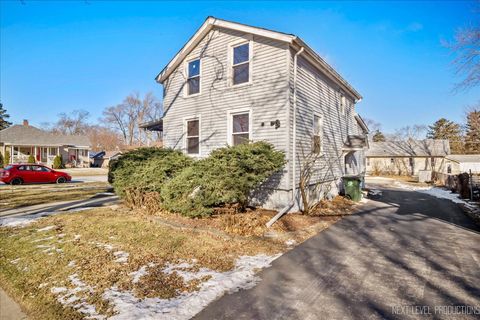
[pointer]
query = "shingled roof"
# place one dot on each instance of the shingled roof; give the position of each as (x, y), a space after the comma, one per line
(410, 148)
(32, 136)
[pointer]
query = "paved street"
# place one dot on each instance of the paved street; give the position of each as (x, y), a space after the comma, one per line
(404, 249)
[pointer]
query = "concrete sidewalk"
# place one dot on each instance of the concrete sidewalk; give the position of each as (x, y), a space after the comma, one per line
(9, 309)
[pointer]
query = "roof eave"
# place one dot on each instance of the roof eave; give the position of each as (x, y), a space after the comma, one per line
(210, 23)
(320, 63)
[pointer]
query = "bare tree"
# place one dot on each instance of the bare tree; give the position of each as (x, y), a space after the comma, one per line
(466, 48)
(74, 122)
(103, 138)
(126, 116)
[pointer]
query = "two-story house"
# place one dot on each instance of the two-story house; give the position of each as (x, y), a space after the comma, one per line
(233, 83)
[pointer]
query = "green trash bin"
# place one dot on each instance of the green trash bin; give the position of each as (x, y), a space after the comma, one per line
(352, 185)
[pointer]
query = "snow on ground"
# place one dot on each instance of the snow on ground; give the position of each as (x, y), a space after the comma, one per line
(21, 221)
(187, 304)
(70, 297)
(121, 256)
(47, 228)
(435, 192)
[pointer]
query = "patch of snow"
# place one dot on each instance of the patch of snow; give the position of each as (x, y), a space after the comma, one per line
(61, 235)
(77, 237)
(15, 261)
(72, 264)
(22, 221)
(46, 229)
(121, 256)
(69, 297)
(136, 275)
(290, 242)
(42, 285)
(400, 185)
(105, 246)
(188, 304)
(57, 290)
(436, 192)
(43, 239)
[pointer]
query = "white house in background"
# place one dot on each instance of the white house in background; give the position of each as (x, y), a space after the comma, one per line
(407, 157)
(24, 140)
(232, 83)
(460, 163)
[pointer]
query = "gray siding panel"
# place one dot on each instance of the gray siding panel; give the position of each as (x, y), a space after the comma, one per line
(266, 96)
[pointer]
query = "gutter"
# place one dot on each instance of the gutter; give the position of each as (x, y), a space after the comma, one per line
(294, 142)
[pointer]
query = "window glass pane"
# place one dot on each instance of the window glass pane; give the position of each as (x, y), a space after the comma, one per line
(240, 54)
(192, 145)
(241, 73)
(316, 125)
(240, 123)
(240, 138)
(194, 68)
(194, 85)
(192, 128)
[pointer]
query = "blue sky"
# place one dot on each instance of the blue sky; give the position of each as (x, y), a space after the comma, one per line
(61, 56)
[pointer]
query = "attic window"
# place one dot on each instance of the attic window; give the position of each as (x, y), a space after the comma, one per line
(193, 81)
(343, 104)
(241, 64)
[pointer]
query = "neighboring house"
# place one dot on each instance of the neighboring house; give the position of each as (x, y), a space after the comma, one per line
(102, 159)
(24, 140)
(460, 163)
(233, 83)
(407, 157)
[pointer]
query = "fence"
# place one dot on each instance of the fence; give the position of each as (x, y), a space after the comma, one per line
(466, 184)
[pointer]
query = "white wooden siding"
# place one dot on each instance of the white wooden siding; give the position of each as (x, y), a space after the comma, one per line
(266, 95)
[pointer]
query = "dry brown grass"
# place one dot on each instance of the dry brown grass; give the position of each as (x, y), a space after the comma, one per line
(28, 195)
(146, 243)
(339, 206)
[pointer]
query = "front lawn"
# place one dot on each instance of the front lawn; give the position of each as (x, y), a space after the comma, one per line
(113, 262)
(100, 262)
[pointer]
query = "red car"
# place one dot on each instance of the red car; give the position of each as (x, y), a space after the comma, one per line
(32, 173)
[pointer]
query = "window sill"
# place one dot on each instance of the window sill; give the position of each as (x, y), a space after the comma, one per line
(240, 85)
(192, 95)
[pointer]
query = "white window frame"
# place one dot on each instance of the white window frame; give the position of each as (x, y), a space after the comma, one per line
(231, 48)
(185, 91)
(321, 134)
(185, 140)
(230, 115)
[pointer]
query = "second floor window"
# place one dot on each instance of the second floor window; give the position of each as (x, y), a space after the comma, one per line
(241, 64)
(193, 81)
(317, 134)
(193, 136)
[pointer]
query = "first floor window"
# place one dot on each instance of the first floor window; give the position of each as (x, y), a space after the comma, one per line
(411, 162)
(368, 161)
(193, 77)
(240, 128)
(193, 136)
(392, 160)
(432, 162)
(317, 134)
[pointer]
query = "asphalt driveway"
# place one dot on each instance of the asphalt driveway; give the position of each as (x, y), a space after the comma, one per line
(406, 256)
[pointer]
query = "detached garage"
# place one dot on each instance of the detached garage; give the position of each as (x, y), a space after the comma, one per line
(459, 163)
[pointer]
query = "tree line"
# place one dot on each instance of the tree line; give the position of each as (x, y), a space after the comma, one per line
(463, 138)
(117, 129)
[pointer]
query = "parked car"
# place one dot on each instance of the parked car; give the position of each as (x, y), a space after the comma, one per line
(32, 173)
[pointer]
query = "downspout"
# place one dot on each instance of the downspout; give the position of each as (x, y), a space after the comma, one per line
(294, 147)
